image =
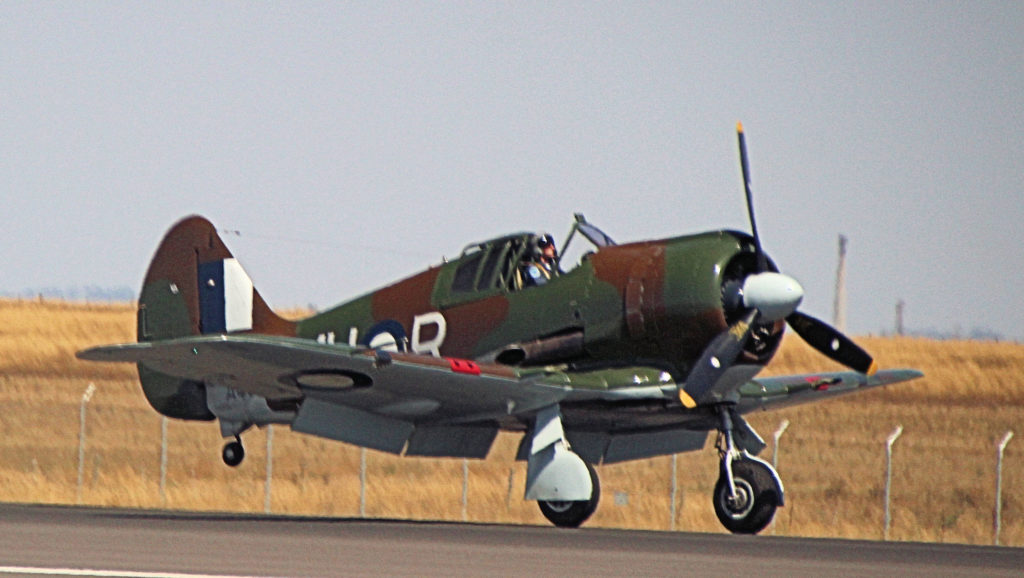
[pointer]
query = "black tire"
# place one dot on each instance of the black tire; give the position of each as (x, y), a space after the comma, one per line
(233, 453)
(569, 514)
(757, 498)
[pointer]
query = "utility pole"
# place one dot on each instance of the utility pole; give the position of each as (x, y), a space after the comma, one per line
(839, 308)
(899, 316)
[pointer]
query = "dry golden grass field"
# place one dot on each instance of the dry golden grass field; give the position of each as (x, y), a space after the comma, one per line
(831, 459)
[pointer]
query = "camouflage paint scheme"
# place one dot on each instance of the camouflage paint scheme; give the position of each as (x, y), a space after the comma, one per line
(639, 312)
(437, 363)
(632, 303)
(635, 351)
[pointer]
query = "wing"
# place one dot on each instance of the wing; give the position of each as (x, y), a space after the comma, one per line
(790, 390)
(639, 416)
(423, 405)
(430, 406)
(387, 401)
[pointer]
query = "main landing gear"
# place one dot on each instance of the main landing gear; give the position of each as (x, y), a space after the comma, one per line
(570, 514)
(748, 489)
(233, 452)
(565, 486)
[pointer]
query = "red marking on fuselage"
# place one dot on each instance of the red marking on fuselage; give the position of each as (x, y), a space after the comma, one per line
(464, 366)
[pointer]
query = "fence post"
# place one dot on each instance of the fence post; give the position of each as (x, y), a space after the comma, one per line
(465, 488)
(675, 491)
(998, 522)
(775, 446)
(775, 453)
(86, 396)
(888, 475)
(163, 461)
(270, 468)
(511, 481)
(362, 482)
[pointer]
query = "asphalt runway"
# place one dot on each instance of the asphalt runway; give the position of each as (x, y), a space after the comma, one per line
(55, 541)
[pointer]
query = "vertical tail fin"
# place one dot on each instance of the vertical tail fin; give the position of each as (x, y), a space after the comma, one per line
(195, 286)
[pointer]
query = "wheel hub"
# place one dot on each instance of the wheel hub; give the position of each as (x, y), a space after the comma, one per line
(740, 505)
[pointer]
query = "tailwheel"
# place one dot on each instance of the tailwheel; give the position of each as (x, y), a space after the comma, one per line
(233, 452)
(570, 514)
(756, 497)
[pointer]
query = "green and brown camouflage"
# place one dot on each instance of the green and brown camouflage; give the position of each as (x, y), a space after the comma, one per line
(659, 300)
(655, 303)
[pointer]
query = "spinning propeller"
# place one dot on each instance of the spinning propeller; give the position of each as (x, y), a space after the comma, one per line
(764, 296)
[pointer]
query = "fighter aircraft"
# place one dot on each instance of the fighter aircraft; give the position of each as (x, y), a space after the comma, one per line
(633, 351)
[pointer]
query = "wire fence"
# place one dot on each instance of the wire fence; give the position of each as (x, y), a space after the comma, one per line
(615, 497)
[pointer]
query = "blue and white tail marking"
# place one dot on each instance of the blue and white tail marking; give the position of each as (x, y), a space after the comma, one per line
(225, 297)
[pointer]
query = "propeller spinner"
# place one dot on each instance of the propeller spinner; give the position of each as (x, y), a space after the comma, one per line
(765, 296)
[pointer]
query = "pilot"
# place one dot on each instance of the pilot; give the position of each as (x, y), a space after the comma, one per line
(543, 265)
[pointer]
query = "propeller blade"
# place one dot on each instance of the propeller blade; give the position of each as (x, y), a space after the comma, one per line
(717, 358)
(762, 261)
(773, 297)
(831, 343)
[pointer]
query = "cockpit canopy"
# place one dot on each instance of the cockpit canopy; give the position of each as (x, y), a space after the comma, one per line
(497, 264)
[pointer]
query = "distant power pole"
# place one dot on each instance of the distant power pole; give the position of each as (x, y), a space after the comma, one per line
(899, 316)
(839, 308)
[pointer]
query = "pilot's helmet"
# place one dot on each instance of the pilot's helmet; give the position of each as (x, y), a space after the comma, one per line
(544, 241)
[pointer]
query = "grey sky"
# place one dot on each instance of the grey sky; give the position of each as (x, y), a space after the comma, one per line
(355, 143)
